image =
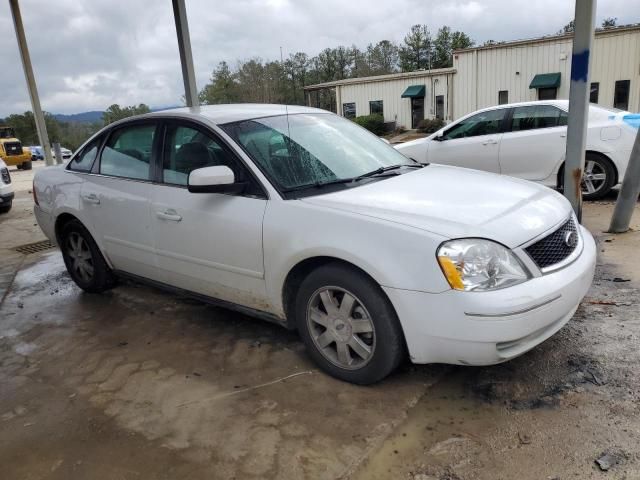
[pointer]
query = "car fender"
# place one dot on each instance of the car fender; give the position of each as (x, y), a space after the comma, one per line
(392, 254)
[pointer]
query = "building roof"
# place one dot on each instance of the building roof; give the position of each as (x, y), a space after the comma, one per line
(382, 78)
(549, 38)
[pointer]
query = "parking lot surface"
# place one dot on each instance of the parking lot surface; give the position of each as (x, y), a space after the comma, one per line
(141, 384)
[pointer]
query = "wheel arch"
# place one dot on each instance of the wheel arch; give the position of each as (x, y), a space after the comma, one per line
(64, 218)
(560, 179)
(300, 271)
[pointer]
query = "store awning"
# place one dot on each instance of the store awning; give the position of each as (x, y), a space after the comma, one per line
(546, 80)
(414, 91)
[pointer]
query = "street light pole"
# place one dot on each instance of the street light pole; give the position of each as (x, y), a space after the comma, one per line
(186, 58)
(584, 26)
(629, 191)
(41, 127)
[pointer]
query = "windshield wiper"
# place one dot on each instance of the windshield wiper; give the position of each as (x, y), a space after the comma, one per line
(350, 179)
(380, 170)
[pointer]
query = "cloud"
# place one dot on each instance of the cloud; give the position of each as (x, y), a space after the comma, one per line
(88, 54)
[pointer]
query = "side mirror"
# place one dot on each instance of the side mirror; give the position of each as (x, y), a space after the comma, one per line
(218, 179)
(439, 138)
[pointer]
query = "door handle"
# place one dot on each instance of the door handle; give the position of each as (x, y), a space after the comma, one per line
(91, 198)
(490, 142)
(169, 214)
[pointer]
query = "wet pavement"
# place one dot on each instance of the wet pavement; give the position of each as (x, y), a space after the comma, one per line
(138, 383)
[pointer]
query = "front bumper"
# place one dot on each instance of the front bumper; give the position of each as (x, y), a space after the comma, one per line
(6, 198)
(484, 328)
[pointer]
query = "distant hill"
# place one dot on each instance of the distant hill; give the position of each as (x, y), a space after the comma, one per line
(83, 117)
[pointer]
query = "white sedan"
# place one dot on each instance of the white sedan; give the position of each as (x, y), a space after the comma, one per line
(303, 218)
(6, 189)
(528, 140)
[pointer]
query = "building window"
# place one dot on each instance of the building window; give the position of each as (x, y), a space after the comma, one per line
(349, 110)
(440, 107)
(621, 95)
(549, 93)
(593, 92)
(375, 107)
(503, 97)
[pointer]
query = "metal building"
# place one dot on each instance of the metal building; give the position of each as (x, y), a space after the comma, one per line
(501, 73)
(405, 98)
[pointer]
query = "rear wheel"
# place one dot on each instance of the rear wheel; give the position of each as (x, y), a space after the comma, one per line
(348, 325)
(19, 166)
(83, 259)
(26, 165)
(598, 177)
(5, 208)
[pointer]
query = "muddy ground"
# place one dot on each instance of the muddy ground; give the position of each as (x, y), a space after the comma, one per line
(140, 384)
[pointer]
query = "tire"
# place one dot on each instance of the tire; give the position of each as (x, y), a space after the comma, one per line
(27, 165)
(6, 208)
(602, 165)
(368, 354)
(83, 259)
(19, 167)
(597, 166)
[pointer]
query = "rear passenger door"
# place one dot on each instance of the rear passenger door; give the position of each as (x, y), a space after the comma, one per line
(535, 142)
(208, 243)
(117, 195)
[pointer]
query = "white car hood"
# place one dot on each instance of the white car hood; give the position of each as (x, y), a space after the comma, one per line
(457, 202)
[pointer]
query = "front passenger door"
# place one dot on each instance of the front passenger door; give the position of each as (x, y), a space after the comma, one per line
(208, 243)
(473, 142)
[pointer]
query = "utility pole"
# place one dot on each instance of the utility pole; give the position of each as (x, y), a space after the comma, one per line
(629, 192)
(186, 58)
(41, 127)
(579, 103)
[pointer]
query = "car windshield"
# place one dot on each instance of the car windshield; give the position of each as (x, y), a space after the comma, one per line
(300, 150)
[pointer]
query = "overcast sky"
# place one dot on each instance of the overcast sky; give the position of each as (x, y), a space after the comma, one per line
(89, 54)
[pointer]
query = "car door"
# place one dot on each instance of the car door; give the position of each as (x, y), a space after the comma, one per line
(117, 195)
(473, 142)
(208, 243)
(534, 143)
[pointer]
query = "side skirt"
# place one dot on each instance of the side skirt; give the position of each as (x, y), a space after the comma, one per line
(269, 317)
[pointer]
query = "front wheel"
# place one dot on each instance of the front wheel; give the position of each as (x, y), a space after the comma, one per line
(26, 165)
(348, 325)
(83, 259)
(5, 208)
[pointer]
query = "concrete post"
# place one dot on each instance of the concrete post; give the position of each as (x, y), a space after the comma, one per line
(41, 127)
(629, 192)
(186, 58)
(579, 103)
(58, 150)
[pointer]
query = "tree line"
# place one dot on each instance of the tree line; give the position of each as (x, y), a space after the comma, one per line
(255, 80)
(69, 134)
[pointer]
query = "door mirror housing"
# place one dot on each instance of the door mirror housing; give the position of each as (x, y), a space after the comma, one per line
(439, 138)
(218, 179)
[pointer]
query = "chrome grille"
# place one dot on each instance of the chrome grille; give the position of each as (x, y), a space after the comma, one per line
(553, 248)
(4, 173)
(13, 148)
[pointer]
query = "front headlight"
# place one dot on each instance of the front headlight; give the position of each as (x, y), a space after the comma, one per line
(475, 264)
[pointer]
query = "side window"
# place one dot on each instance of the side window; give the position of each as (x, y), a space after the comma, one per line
(484, 123)
(127, 152)
(84, 160)
(537, 116)
(187, 149)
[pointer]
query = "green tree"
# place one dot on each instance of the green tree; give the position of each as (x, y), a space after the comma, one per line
(383, 57)
(222, 87)
(609, 22)
(460, 40)
(442, 48)
(568, 28)
(416, 51)
(115, 112)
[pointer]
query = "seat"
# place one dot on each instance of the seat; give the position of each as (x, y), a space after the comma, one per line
(192, 155)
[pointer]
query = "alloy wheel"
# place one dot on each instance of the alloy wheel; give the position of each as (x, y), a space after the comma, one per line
(80, 255)
(341, 327)
(594, 177)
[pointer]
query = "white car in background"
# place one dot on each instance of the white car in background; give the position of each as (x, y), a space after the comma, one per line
(301, 217)
(6, 189)
(528, 141)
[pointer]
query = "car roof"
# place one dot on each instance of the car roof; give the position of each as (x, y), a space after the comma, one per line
(559, 103)
(226, 113)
